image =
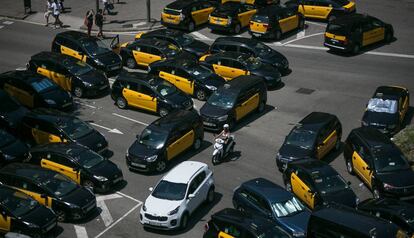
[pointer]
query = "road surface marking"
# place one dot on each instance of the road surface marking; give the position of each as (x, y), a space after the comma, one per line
(138, 24)
(127, 196)
(117, 221)
(130, 119)
(304, 37)
(86, 105)
(80, 232)
(115, 131)
(108, 197)
(8, 22)
(200, 36)
(314, 23)
(305, 47)
(105, 214)
(1, 26)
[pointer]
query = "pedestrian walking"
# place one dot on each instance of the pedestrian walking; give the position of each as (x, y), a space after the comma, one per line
(99, 22)
(89, 20)
(62, 8)
(49, 11)
(56, 13)
(107, 6)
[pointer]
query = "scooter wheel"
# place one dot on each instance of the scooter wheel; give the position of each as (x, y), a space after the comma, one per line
(214, 160)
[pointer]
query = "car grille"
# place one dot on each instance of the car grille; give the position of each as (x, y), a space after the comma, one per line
(155, 218)
(207, 119)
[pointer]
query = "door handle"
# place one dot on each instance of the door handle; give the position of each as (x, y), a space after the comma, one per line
(139, 95)
(61, 169)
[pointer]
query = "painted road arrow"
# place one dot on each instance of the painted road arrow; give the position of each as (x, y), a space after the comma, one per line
(115, 131)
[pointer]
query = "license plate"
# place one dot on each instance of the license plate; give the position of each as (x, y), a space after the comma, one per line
(138, 165)
(153, 223)
(209, 124)
(257, 34)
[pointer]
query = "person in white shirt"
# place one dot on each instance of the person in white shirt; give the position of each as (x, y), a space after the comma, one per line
(49, 11)
(56, 13)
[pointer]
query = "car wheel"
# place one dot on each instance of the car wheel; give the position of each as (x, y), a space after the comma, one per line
(201, 95)
(355, 49)
(237, 29)
(338, 144)
(261, 107)
(61, 215)
(197, 144)
(214, 159)
(210, 195)
(191, 26)
(78, 92)
(88, 184)
(388, 37)
(301, 23)
(278, 35)
(376, 193)
(288, 186)
(162, 112)
(349, 167)
(184, 221)
(160, 166)
(121, 102)
(131, 63)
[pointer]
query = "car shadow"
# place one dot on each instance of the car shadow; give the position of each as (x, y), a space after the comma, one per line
(279, 86)
(408, 117)
(233, 156)
(245, 122)
(362, 50)
(56, 232)
(196, 217)
(229, 33)
(116, 188)
(333, 154)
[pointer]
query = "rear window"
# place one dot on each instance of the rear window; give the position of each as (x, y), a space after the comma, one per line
(260, 18)
(341, 2)
(172, 11)
(336, 28)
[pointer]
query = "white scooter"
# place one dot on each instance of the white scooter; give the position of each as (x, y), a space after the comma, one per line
(219, 153)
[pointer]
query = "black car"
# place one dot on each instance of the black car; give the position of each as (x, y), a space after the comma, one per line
(232, 64)
(399, 212)
(12, 149)
(351, 33)
(231, 17)
(148, 92)
(42, 126)
(69, 73)
(233, 101)
(22, 214)
(323, 9)
(67, 199)
(11, 112)
(165, 139)
(183, 41)
(336, 221)
(33, 90)
(387, 108)
(316, 183)
(234, 223)
(78, 163)
(267, 199)
(90, 50)
(313, 137)
(379, 163)
(252, 47)
(189, 76)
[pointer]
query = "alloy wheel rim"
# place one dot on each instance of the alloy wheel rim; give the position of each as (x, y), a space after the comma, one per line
(201, 95)
(161, 166)
(130, 63)
(121, 103)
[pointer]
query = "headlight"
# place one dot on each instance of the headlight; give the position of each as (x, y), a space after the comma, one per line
(174, 211)
(8, 157)
(31, 225)
(298, 233)
(50, 101)
(151, 158)
(127, 153)
(71, 205)
(213, 88)
(100, 178)
(222, 118)
(388, 186)
(144, 208)
(278, 156)
(87, 84)
(277, 64)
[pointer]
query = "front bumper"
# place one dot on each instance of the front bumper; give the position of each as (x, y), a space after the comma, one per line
(216, 27)
(181, 25)
(140, 164)
(109, 184)
(77, 214)
(96, 90)
(159, 222)
(212, 124)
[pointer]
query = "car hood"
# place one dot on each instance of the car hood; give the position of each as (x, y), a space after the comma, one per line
(291, 151)
(106, 169)
(266, 70)
(400, 178)
(196, 47)
(381, 118)
(108, 58)
(297, 222)
(94, 141)
(184, 55)
(80, 197)
(160, 207)
(14, 118)
(94, 77)
(346, 197)
(16, 149)
(141, 151)
(273, 57)
(209, 110)
(213, 80)
(179, 98)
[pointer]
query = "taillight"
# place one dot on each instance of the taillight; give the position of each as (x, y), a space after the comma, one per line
(206, 227)
(266, 26)
(251, 23)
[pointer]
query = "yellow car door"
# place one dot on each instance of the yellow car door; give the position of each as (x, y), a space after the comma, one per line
(327, 144)
(42, 137)
(307, 9)
(63, 81)
(361, 168)
(222, 234)
(181, 144)
(245, 16)
(300, 189)
(129, 92)
(204, 13)
(22, 96)
(222, 70)
(379, 34)
(70, 172)
(183, 81)
(247, 106)
(289, 23)
(71, 52)
(44, 200)
(5, 222)
(322, 10)
(403, 108)
(146, 98)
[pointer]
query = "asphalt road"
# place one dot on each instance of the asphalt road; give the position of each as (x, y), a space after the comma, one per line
(342, 85)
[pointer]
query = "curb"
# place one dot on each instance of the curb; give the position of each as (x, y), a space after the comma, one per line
(125, 29)
(16, 17)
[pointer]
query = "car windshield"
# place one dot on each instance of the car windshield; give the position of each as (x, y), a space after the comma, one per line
(223, 99)
(184, 39)
(170, 50)
(170, 191)
(165, 88)
(59, 185)
(199, 71)
(86, 158)
(287, 208)
(253, 63)
(43, 85)
(8, 104)
(153, 139)
(301, 138)
(94, 46)
(388, 160)
(260, 18)
(6, 138)
(328, 184)
(19, 204)
(77, 68)
(262, 49)
(381, 105)
(75, 128)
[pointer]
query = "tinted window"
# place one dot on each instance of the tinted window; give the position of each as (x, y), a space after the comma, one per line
(153, 139)
(43, 85)
(19, 203)
(75, 128)
(94, 46)
(301, 138)
(387, 159)
(59, 185)
(223, 99)
(170, 191)
(87, 158)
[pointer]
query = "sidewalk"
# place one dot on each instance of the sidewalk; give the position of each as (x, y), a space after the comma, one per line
(128, 15)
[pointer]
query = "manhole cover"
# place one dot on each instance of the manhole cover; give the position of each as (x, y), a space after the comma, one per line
(305, 91)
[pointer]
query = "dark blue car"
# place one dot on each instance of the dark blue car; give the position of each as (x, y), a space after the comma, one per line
(260, 196)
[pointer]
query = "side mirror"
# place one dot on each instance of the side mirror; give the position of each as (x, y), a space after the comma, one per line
(190, 196)
(151, 189)
(349, 183)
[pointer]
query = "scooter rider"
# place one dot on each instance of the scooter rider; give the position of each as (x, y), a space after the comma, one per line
(224, 134)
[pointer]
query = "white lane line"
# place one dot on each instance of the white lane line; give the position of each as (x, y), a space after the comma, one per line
(139, 24)
(86, 105)
(1, 26)
(108, 197)
(127, 196)
(390, 54)
(306, 47)
(80, 232)
(304, 37)
(117, 221)
(115, 131)
(8, 22)
(130, 119)
(105, 214)
(200, 36)
(315, 23)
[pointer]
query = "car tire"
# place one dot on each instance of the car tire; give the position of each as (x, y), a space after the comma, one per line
(301, 24)
(237, 29)
(131, 63)
(349, 167)
(184, 221)
(160, 166)
(78, 91)
(338, 144)
(60, 215)
(201, 95)
(197, 144)
(261, 107)
(191, 26)
(163, 112)
(288, 186)
(88, 184)
(214, 159)
(210, 195)
(278, 35)
(121, 102)
(376, 193)
(356, 49)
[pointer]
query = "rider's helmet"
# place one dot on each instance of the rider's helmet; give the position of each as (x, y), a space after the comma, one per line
(226, 126)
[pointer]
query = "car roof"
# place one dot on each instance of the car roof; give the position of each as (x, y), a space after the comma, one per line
(174, 120)
(315, 121)
(165, 32)
(313, 165)
(28, 171)
(243, 40)
(272, 10)
(231, 55)
(60, 148)
(183, 172)
(75, 35)
(179, 62)
(372, 136)
(241, 82)
(389, 92)
(24, 75)
(138, 77)
(393, 206)
(180, 4)
(350, 19)
(52, 56)
(268, 189)
(157, 43)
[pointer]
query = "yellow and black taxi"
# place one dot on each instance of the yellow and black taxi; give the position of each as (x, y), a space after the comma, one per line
(398, 212)
(274, 21)
(323, 9)
(316, 184)
(12, 149)
(336, 220)
(186, 15)
(165, 139)
(379, 163)
(387, 108)
(189, 76)
(232, 223)
(231, 17)
(20, 213)
(143, 52)
(67, 199)
(232, 64)
(313, 137)
(351, 33)
(83, 166)
(182, 40)
(33, 90)
(148, 92)
(69, 73)
(232, 102)
(90, 50)
(42, 126)
(252, 47)
(259, 3)
(11, 112)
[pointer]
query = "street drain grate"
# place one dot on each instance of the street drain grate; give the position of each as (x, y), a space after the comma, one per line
(305, 91)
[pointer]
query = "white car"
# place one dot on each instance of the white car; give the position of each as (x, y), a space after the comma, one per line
(177, 195)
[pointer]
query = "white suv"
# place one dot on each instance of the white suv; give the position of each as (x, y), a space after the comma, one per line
(177, 196)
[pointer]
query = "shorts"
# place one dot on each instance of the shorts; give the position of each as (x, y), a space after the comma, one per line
(48, 13)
